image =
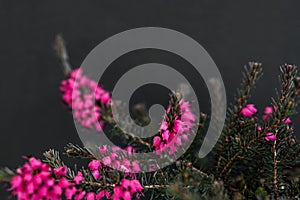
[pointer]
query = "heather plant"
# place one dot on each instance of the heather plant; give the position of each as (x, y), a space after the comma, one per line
(255, 156)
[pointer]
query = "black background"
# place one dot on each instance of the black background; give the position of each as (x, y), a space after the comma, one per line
(32, 116)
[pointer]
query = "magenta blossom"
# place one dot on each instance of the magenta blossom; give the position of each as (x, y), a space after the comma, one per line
(288, 121)
(270, 136)
(249, 110)
(268, 111)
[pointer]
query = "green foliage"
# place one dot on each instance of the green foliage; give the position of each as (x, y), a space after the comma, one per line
(246, 162)
(243, 165)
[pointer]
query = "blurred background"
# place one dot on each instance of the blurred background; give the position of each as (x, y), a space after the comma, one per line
(32, 115)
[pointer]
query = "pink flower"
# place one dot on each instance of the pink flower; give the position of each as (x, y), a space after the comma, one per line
(94, 165)
(156, 141)
(126, 189)
(126, 163)
(178, 141)
(78, 178)
(60, 171)
(136, 166)
(127, 195)
(287, 121)
(96, 174)
(179, 126)
(270, 137)
(43, 192)
(70, 192)
(55, 191)
(90, 196)
(35, 180)
(79, 195)
(64, 183)
(15, 182)
(268, 110)
(166, 135)
(187, 113)
(164, 125)
(249, 110)
(35, 163)
(115, 148)
(136, 186)
(76, 72)
(101, 194)
(113, 155)
(118, 192)
(172, 149)
(125, 183)
(105, 98)
(106, 160)
(259, 128)
(103, 149)
(116, 164)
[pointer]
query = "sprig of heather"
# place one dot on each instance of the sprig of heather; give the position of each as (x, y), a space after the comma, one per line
(86, 99)
(176, 125)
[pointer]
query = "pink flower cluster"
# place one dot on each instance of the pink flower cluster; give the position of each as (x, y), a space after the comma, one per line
(35, 180)
(126, 189)
(115, 158)
(249, 110)
(79, 96)
(178, 130)
(269, 110)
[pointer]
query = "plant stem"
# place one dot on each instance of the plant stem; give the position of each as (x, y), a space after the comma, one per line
(113, 185)
(275, 171)
(61, 52)
(248, 83)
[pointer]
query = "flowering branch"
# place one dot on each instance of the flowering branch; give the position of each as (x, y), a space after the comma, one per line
(250, 77)
(250, 160)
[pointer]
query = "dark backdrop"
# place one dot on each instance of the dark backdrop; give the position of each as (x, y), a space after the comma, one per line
(32, 116)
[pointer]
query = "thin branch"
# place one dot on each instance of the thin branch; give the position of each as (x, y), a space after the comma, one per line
(97, 184)
(275, 171)
(61, 52)
(77, 151)
(248, 83)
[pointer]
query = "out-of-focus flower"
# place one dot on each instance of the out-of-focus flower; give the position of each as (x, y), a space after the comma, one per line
(288, 121)
(269, 110)
(85, 97)
(259, 128)
(78, 178)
